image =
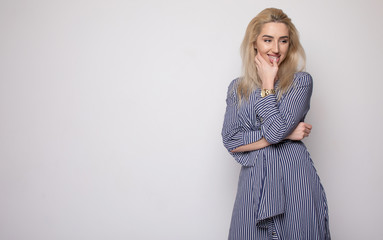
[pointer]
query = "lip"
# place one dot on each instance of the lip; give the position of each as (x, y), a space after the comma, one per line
(273, 57)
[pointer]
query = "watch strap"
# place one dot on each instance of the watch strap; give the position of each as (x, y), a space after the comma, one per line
(267, 92)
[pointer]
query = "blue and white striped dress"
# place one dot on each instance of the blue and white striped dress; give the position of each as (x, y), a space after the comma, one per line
(279, 193)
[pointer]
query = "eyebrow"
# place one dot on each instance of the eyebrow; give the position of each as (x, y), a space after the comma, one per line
(268, 36)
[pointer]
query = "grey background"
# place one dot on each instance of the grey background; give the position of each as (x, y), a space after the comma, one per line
(111, 111)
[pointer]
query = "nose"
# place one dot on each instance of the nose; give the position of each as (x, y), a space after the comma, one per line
(276, 47)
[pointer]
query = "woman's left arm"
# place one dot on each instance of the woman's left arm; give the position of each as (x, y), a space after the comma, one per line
(279, 122)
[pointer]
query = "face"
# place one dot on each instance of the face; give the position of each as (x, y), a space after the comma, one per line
(273, 42)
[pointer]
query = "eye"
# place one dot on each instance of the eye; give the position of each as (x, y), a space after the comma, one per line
(285, 41)
(267, 40)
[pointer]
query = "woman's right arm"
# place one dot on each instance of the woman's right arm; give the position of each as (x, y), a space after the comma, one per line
(233, 134)
(262, 143)
(301, 131)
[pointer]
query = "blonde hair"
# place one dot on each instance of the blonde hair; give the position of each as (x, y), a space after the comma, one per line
(295, 54)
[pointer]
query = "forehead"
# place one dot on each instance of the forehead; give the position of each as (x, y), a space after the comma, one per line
(274, 29)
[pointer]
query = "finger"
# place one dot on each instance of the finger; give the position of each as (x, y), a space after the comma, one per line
(260, 60)
(275, 64)
(302, 124)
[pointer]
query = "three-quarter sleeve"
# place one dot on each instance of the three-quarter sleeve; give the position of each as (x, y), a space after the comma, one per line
(279, 121)
(233, 132)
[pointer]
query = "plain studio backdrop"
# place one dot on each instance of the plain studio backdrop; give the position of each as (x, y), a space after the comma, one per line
(111, 113)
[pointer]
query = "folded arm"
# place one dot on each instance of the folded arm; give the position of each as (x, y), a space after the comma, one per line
(280, 121)
(243, 145)
(233, 133)
(301, 131)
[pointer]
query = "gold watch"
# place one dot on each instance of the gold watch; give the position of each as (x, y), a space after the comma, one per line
(267, 92)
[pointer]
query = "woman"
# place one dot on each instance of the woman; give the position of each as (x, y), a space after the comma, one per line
(279, 192)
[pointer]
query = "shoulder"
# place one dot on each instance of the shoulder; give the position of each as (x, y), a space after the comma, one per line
(232, 92)
(303, 79)
(234, 84)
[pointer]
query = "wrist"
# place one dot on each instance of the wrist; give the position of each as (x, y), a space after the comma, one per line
(264, 142)
(268, 84)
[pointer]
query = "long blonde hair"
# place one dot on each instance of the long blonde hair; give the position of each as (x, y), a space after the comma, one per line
(295, 55)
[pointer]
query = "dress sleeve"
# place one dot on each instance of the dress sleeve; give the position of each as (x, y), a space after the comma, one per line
(233, 133)
(279, 122)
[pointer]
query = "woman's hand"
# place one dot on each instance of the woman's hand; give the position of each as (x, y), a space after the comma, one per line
(301, 131)
(266, 71)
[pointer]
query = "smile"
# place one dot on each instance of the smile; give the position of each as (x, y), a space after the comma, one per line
(274, 58)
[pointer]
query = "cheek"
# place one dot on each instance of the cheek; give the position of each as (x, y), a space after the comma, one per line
(264, 56)
(284, 53)
(285, 50)
(261, 47)
(262, 51)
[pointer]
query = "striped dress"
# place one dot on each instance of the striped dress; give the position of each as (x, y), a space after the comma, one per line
(279, 193)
